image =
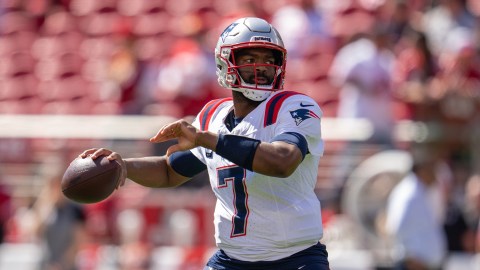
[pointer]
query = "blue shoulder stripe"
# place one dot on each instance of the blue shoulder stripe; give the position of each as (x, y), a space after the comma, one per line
(207, 112)
(273, 106)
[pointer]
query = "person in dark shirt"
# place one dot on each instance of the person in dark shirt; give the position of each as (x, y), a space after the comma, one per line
(60, 225)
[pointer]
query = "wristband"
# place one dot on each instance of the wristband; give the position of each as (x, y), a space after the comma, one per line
(239, 150)
(185, 163)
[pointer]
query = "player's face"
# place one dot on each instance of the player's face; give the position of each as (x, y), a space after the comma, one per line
(258, 65)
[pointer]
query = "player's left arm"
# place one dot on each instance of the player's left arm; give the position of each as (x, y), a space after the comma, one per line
(279, 158)
(297, 132)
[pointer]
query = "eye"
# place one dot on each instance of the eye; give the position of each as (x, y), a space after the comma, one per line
(270, 61)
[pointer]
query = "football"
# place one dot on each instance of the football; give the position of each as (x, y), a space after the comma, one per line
(90, 181)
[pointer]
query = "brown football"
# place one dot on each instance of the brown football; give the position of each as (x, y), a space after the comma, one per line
(90, 181)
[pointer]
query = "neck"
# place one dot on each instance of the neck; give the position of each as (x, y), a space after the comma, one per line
(242, 105)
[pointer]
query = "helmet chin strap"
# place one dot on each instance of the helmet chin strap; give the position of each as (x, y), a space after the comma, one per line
(255, 94)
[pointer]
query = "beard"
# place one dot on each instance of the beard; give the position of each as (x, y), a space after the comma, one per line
(258, 80)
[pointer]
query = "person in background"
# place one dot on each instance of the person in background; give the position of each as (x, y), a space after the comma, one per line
(419, 241)
(361, 69)
(261, 148)
(59, 225)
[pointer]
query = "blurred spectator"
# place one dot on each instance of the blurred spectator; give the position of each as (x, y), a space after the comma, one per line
(455, 96)
(460, 234)
(362, 69)
(414, 70)
(440, 20)
(302, 24)
(397, 15)
(411, 219)
(123, 73)
(456, 86)
(60, 226)
(349, 18)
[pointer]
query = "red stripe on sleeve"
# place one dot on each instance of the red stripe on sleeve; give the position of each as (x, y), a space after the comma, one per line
(213, 109)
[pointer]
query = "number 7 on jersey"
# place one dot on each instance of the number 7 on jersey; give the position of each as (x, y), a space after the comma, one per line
(236, 175)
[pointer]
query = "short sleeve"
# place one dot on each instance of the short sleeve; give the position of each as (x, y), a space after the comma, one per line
(204, 119)
(301, 114)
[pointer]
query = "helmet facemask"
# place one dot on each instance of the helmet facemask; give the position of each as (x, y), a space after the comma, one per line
(257, 80)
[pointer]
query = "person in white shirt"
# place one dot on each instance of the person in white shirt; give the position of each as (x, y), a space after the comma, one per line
(412, 221)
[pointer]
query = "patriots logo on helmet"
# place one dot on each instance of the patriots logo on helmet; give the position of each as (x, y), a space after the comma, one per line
(302, 114)
(227, 31)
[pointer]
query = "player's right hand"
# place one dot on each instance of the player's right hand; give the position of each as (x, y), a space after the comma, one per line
(181, 130)
(112, 156)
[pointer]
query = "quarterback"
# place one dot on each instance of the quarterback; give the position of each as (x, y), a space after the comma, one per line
(261, 148)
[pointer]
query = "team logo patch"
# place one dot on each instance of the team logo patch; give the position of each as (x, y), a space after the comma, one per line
(302, 114)
(228, 30)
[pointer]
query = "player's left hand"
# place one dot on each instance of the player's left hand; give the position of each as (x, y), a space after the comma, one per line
(181, 130)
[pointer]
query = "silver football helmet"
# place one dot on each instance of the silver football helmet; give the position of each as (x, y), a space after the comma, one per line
(244, 33)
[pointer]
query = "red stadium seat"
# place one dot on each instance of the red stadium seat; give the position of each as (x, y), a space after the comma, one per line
(74, 106)
(28, 105)
(18, 87)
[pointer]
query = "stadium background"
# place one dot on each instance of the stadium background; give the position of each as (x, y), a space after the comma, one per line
(76, 74)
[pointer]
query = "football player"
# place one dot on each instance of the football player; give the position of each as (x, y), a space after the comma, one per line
(261, 147)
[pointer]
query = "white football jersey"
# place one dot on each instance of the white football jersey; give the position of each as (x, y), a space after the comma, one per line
(259, 217)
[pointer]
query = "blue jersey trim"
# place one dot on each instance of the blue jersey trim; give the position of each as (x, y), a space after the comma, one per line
(295, 139)
(273, 107)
